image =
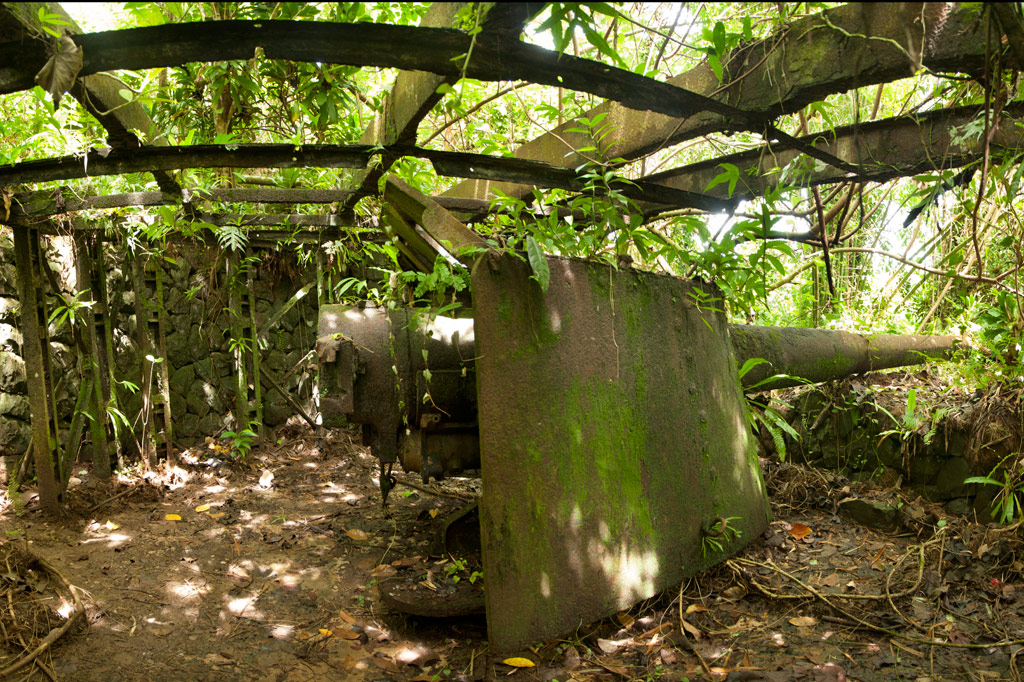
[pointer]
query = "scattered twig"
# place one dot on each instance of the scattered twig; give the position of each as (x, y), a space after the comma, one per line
(129, 491)
(54, 634)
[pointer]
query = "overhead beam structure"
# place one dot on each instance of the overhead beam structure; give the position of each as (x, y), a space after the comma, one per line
(851, 46)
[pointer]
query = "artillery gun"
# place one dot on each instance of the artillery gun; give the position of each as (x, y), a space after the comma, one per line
(605, 416)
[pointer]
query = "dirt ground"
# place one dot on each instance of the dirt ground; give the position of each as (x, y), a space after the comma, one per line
(273, 572)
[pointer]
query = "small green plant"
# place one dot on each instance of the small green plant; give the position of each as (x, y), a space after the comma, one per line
(241, 442)
(1006, 504)
(720, 533)
(761, 415)
(69, 309)
(457, 569)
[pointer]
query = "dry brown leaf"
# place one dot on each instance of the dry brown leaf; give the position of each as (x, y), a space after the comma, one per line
(610, 646)
(625, 620)
(405, 562)
(384, 571)
(733, 593)
(693, 630)
(345, 633)
(59, 73)
(799, 531)
(344, 615)
(803, 621)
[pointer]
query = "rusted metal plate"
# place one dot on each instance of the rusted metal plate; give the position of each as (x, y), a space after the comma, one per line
(612, 431)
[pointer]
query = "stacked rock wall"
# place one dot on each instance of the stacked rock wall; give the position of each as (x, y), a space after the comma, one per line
(198, 352)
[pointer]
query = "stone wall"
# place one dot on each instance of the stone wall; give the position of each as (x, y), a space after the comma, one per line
(199, 358)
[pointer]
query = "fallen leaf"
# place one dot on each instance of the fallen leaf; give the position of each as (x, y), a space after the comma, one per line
(111, 525)
(803, 621)
(325, 632)
(172, 517)
(610, 646)
(345, 616)
(203, 507)
(345, 633)
(625, 620)
(217, 515)
(733, 593)
(799, 531)
(572, 659)
(695, 608)
(405, 562)
(356, 534)
(384, 571)
(59, 73)
(433, 513)
(519, 662)
(693, 630)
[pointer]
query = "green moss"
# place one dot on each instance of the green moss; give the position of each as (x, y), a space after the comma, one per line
(603, 456)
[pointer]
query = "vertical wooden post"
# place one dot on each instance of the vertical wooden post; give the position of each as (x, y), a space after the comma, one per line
(237, 336)
(163, 369)
(105, 336)
(147, 442)
(41, 274)
(33, 329)
(252, 333)
(92, 364)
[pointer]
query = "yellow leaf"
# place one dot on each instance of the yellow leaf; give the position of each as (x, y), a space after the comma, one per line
(625, 620)
(356, 534)
(695, 608)
(433, 513)
(519, 662)
(217, 515)
(172, 517)
(203, 507)
(112, 526)
(325, 632)
(803, 621)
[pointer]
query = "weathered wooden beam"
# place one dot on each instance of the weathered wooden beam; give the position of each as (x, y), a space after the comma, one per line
(457, 164)
(442, 226)
(147, 437)
(119, 162)
(889, 148)
(91, 363)
(40, 204)
(854, 45)
(33, 329)
(447, 52)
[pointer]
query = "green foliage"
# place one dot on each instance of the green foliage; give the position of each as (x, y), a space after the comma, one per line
(762, 416)
(1008, 476)
(566, 17)
(240, 442)
(718, 535)
(446, 280)
(69, 309)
